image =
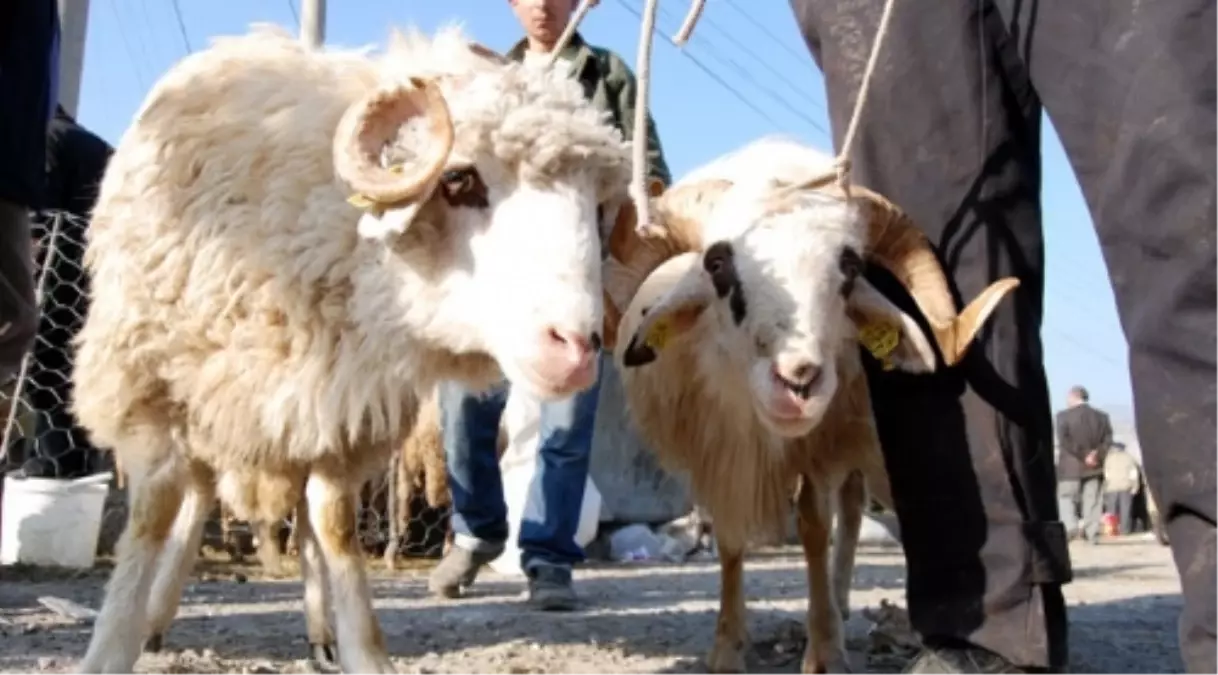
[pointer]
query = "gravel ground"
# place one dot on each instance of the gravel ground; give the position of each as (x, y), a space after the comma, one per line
(639, 618)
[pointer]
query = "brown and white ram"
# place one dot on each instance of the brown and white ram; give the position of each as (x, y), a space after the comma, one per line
(258, 331)
(739, 354)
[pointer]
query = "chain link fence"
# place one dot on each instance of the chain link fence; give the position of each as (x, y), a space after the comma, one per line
(42, 440)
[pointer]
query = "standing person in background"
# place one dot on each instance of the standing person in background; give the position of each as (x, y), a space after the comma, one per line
(1084, 435)
(470, 420)
(1122, 478)
(951, 132)
(29, 77)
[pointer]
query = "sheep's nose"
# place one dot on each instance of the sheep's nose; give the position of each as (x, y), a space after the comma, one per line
(574, 345)
(799, 376)
(569, 358)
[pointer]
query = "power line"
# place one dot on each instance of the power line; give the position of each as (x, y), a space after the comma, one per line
(767, 31)
(136, 66)
(148, 47)
(744, 73)
(710, 73)
(708, 21)
(177, 12)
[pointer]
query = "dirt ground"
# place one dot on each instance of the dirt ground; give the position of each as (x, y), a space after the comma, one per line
(638, 618)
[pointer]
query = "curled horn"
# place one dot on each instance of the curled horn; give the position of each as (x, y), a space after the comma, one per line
(371, 123)
(896, 243)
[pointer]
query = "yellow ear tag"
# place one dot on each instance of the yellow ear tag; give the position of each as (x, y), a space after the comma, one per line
(659, 335)
(361, 202)
(881, 339)
(365, 203)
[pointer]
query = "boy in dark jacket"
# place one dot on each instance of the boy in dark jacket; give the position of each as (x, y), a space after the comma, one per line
(471, 421)
(29, 66)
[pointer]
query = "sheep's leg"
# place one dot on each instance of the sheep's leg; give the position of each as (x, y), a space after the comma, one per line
(435, 485)
(399, 517)
(731, 633)
(332, 507)
(267, 532)
(178, 558)
(851, 500)
(155, 498)
(826, 650)
(316, 595)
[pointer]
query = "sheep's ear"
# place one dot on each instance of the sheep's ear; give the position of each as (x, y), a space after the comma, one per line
(890, 335)
(380, 225)
(668, 319)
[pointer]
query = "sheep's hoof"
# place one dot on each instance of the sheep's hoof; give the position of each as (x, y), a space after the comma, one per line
(831, 664)
(727, 656)
(154, 643)
(323, 654)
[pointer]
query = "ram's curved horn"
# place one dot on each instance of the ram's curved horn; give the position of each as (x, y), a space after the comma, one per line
(896, 243)
(374, 121)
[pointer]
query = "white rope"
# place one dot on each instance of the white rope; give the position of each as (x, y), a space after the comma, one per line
(569, 31)
(691, 19)
(841, 165)
(638, 181)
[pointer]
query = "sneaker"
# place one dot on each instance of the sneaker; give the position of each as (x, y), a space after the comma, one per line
(550, 589)
(965, 659)
(457, 571)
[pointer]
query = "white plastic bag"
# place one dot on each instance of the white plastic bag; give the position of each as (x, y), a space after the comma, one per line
(522, 490)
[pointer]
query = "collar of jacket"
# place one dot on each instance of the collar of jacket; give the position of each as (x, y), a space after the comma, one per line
(576, 51)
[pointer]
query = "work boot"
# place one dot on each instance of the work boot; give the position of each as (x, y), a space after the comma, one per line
(457, 571)
(964, 659)
(550, 588)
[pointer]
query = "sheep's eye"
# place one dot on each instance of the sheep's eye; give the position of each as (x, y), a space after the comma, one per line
(463, 187)
(717, 257)
(851, 265)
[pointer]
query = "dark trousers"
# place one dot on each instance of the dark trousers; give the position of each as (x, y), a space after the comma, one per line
(951, 132)
(18, 309)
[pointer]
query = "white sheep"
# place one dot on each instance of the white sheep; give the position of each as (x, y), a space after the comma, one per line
(739, 355)
(252, 334)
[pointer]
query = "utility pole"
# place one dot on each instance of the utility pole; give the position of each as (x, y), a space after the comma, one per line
(73, 25)
(313, 23)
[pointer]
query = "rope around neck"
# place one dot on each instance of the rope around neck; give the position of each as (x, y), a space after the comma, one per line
(841, 165)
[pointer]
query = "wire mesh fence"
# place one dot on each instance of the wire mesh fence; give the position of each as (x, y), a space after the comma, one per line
(42, 440)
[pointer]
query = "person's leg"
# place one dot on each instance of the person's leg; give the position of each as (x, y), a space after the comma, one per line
(1130, 87)
(470, 423)
(1093, 511)
(951, 133)
(1124, 511)
(1068, 492)
(18, 307)
(548, 547)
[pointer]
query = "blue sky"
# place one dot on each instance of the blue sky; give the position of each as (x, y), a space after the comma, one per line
(742, 76)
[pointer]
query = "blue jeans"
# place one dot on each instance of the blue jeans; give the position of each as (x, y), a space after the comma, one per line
(479, 515)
